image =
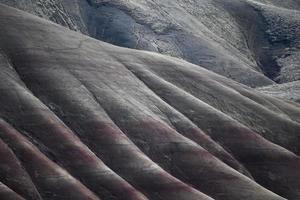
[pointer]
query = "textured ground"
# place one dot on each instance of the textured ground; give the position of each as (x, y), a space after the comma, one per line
(254, 42)
(287, 91)
(85, 120)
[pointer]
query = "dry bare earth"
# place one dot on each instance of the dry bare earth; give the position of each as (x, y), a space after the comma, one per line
(287, 91)
(82, 119)
(255, 42)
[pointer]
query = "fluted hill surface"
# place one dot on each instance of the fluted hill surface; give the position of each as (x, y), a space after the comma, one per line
(287, 91)
(85, 120)
(254, 42)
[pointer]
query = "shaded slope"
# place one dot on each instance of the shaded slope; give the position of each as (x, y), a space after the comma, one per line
(7, 193)
(115, 123)
(248, 41)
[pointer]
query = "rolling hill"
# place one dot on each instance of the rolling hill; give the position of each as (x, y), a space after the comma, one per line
(84, 119)
(254, 42)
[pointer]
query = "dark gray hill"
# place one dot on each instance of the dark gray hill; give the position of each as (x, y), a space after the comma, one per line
(82, 119)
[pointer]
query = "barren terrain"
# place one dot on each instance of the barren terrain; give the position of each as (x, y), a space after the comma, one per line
(83, 119)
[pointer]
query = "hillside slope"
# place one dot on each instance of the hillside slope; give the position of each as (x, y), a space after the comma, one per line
(287, 91)
(255, 42)
(83, 119)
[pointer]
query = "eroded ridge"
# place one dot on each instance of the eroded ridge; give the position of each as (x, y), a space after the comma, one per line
(83, 119)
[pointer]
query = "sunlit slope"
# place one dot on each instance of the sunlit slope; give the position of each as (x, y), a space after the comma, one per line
(82, 119)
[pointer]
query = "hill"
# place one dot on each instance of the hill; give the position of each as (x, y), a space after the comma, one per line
(83, 119)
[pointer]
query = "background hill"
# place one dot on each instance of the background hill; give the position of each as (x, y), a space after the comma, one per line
(252, 42)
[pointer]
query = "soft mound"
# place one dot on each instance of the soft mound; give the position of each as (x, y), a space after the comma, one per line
(86, 120)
